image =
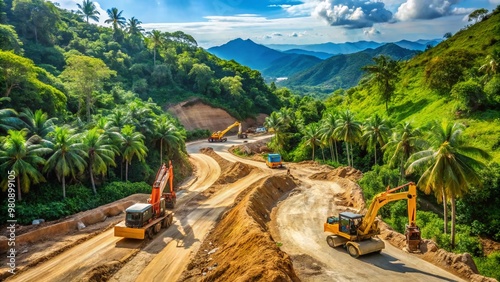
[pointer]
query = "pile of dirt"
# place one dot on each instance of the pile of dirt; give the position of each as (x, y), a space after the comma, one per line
(223, 163)
(339, 173)
(240, 246)
(233, 173)
(489, 246)
(257, 147)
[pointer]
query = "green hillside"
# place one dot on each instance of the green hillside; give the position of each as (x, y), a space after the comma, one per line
(342, 71)
(414, 100)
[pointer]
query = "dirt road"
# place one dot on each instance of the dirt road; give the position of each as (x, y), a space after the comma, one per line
(75, 263)
(298, 225)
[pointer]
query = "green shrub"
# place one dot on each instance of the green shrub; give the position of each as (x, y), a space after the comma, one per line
(488, 266)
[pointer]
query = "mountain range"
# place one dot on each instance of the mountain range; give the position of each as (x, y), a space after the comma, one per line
(314, 65)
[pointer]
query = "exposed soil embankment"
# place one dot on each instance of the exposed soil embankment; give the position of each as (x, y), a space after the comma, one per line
(194, 114)
(240, 247)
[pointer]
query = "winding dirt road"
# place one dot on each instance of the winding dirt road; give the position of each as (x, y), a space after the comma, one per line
(298, 226)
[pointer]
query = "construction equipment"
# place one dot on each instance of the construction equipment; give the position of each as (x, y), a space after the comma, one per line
(357, 233)
(218, 136)
(274, 161)
(147, 219)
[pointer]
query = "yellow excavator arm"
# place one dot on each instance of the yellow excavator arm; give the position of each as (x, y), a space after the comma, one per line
(219, 135)
(388, 196)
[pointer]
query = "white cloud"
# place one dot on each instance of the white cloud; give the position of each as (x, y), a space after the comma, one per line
(371, 32)
(426, 9)
(495, 2)
(352, 13)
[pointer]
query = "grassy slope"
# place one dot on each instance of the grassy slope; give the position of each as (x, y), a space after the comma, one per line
(416, 103)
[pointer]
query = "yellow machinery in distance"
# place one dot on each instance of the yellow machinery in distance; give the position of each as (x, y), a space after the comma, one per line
(357, 232)
(218, 136)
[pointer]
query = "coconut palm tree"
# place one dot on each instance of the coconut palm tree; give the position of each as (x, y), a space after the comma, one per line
(155, 39)
(8, 117)
(167, 132)
(88, 10)
(490, 68)
(384, 72)
(405, 141)
(312, 136)
(328, 125)
(376, 132)
(115, 18)
(275, 123)
(349, 130)
(134, 26)
(38, 123)
(449, 167)
(132, 145)
(68, 155)
(100, 151)
(21, 156)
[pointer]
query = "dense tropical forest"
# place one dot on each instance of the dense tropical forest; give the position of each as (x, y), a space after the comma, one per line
(82, 119)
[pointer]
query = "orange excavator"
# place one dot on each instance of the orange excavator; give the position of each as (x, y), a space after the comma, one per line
(357, 233)
(146, 219)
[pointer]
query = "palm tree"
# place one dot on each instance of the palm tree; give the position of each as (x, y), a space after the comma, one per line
(88, 10)
(275, 123)
(404, 142)
(312, 136)
(384, 71)
(376, 131)
(21, 156)
(8, 117)
(450, 166)
(115, 18)
(167, 132)
(349, 130)
(134, 26)
(117, 119)
(132, 145)
(68, 157)
(490, 68)
(155, 38)
(100, 151)
(37, 123)
(328, 125)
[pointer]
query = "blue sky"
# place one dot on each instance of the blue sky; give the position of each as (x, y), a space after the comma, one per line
(215, 22)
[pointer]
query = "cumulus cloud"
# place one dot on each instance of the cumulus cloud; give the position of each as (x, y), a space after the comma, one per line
(371, 32)
(352, 13)
(427, 9)
(495, 1)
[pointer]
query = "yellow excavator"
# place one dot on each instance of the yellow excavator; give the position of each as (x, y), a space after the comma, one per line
(357, 233)
(218, 136)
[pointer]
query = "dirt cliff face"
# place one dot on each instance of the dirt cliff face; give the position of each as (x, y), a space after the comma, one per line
(194, 114)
